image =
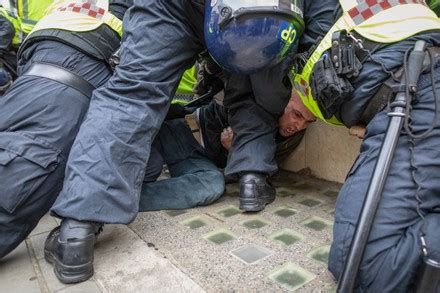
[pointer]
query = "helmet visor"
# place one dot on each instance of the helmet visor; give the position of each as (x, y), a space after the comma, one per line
(230, 9)
(237, 4)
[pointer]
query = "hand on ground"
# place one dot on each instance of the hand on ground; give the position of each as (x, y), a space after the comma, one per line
(358, 131)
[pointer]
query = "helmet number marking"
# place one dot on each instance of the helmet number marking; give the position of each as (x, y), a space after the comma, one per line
(289, 35)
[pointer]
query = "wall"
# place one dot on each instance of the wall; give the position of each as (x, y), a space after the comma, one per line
(328, 151)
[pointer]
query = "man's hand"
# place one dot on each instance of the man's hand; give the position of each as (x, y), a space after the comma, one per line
(226, 138)
(358, 131)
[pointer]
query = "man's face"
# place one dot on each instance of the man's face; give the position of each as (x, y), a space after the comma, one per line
(296, 117)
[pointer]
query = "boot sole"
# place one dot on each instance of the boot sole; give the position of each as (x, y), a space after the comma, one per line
(253, 205)
(69, 274)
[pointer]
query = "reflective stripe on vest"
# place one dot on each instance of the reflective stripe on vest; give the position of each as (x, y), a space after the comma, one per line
(184, 93)
(79, 16)
(384, 22)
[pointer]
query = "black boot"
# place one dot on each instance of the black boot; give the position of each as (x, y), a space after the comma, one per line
(255, 192)
(69, 248)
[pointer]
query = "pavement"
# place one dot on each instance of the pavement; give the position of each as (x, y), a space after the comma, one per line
(208, 249)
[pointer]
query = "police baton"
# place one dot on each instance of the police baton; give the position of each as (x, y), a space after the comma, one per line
(408, 84)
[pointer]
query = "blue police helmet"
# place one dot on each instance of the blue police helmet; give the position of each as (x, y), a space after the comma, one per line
(245, 36)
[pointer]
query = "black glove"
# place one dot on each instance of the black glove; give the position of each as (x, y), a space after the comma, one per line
(328, 88)
(176, 111)
(209, 76)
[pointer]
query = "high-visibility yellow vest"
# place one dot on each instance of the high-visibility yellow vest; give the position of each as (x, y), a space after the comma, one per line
(11, 13)
(184, 92)
(30, 12)
(381, 21)
(23, 14)
(79, 16)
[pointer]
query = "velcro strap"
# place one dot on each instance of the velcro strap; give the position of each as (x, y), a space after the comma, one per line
(387, 90)
(384, 94)
(61, 75)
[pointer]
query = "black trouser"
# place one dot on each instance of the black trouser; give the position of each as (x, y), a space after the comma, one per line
(394, 252)
(213, 118)
(39, 119)
(254, 104)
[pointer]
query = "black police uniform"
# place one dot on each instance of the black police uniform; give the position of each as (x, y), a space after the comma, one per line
(39, 120)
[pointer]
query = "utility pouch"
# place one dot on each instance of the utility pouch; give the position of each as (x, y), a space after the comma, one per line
(343, 54)
(328, 88)
(428, 280)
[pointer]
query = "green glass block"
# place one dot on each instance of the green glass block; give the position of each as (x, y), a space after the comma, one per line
(320, 254)
(219, 237)
(251, 254)
(175, 213)
(229, 211)
(285, 212)
(310, 202)
(254, 223)
(291, 276)
(233, 194)
(232, 188)
(287, 237)
(331, 193)
(282, 191)
(194, 223)
(316, 223)
(306, 187)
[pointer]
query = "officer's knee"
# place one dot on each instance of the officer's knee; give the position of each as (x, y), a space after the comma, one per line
(13, 231)
(25, 165)
(342, 235)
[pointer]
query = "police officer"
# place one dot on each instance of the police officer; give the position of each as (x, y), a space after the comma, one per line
(107, 162)
(253, 110)
(348, 81)
(64, 58)
(17, 18)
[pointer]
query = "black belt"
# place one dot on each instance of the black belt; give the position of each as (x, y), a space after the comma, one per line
(61, 75)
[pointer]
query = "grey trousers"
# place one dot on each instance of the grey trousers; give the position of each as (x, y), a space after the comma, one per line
(39, 119)
(106, 166)
(393, 253)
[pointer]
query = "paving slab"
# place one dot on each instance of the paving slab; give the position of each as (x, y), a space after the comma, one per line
(17, 272)
(276, 250)
(126, 263)
(208, 249)
(46, 224)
